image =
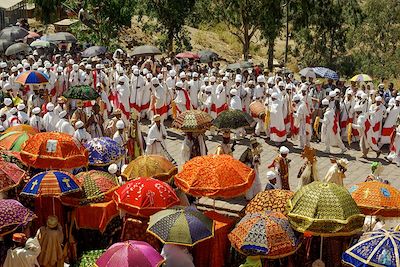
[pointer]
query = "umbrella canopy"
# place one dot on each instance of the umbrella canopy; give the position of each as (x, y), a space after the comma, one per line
(273, 200)
(13, 141)
(267, 234)
(13, 33)
(104, 151)
(64, 37)
(32, 35)
(156, 166)
(215, 176)
(145, 196)
(17, 48)
(94, 51)
(83, 92)
(377, 248)
(233, 119)
(193, 121)
(146, 50)
(240, 65)
(32, 77)
(376, 198)
(324, 209)
(10, 175)
(4, 44)
(51, 150)
(130, 254)
(326, 73)
(188, 55)
(51, 184)
(361, 78)
(208, 56)
(307, 72)
(13, 215)
(89, 258)
(181, 226)
(22, 128)
(40, 43)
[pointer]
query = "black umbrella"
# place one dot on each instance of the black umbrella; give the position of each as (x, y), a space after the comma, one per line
(208, 56)
(17, 48)
(64, 37)
(240, 65)
(13, 33)
(4, 44)
(94, 51)
(146, 50)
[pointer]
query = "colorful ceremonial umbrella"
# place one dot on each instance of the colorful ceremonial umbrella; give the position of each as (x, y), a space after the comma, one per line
(155, 166)
(13, 215)
(51, 150)
(269, 200)
(145, 196)
(267, 234)
(51, 184)
(32, 77)
(22, 128)
(104, 151)
(82, 92)
(326, 73)
(376, 198)
(130, 253)
(184, 226)
(188, 55)
(324, 209)
(361, 78)
(233, 119)
(10, 175)
(379, 248)
(193, 121)
(13, 141)
(215, 176)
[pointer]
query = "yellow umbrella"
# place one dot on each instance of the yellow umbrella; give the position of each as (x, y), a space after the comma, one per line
(361, 78)
(154, 166)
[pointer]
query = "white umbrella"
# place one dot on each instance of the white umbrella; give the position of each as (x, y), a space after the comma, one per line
(308, 73)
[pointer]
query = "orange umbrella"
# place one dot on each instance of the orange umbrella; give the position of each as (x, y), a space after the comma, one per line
(376, 198)
(273, 200)
(215, 176)
(154, 166)
(51, 150)
(22, 128)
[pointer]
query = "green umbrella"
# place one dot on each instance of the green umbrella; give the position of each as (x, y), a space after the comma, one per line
(233, 119)
(82, 92)
(13, 141)
(181, 226)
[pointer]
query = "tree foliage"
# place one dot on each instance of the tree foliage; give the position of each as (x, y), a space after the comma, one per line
(46, 10)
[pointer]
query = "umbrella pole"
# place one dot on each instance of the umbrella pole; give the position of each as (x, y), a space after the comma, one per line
(320, 247)
(54, 209)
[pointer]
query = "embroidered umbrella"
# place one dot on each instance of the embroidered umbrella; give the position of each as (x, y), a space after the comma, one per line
(104, 151)
(51, 150)
(193, 121)
(13, 141)
(145, 196)
(10, 175)
(32, 77)
(22, 128)
(233, 119)
(130, 253)
(324, 209)
(267, 234)
(272, 200)
(82, 92)
(361, 78)
(181, 226)
(379, 248)
(215, 176)
(376, 198)
(155, 166)
(13, 215)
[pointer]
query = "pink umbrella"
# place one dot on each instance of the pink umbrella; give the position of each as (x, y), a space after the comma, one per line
(130, 253)
(189, 55)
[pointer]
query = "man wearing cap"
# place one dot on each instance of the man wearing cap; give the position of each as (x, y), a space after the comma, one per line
(24, 253)
(252, 157)
(277, 128)
(95, 122)
(22, 116)
(281, 168)
(336, 172)
(182, 99)
(136, 90)
(247, 95)
(80, 133)
(75, 76)
(123, 94)
(51, 238)
(60, 81)
(365, 134)
(146, 97)
(8, 104)
(225, 148)
(35, 120)
(50, 86)
(193, 146)
(79, 114)
(63, 125)
(259, 91)
(119, 135)
(155, 141)
(50, 119)
(392, 114)
(194, 88)
(221, 94)
(111, 128)
(13, 118)
(99, 76)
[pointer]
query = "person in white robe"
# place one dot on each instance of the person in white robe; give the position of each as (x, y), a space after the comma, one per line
(123, 96)
(389, 126)
(22, 116)
(394, 155)
(377, 113)
(60, 82)
(247, 95)
(251, 157)
(182, 99)
(160, 94)
(50, 119)
(155, 141)
(80, 133)
(236, 104)
(13, 118)
(120, 138)
(137, 87)
(222, 95)
(300, 116)
(36, 121)
(24, 254)
(346, 113)
(277, 128)
(146, 97)
(259, 90)
(75, 76)
(194, 88)
(63, 125)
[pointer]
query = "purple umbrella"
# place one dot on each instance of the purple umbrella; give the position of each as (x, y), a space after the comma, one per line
(130, 254)
(13, 215)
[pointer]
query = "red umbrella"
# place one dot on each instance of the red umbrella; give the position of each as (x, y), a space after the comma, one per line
(10, 175)
(189, 55)
(145, 196)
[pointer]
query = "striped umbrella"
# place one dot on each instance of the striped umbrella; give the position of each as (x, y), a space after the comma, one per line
(14, 140)
(326, 73)
(361, 78)
(22, 128)
(32, 77)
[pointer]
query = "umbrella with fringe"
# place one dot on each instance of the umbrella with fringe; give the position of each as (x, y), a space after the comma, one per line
(272, 200)
(82, 92)
(104, 151)
(13, 215)
(233, 119)
(193, 121)
(156, 166)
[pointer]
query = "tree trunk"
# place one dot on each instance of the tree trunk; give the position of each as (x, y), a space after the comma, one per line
(170, 41)
(271, 47)
(246, 42)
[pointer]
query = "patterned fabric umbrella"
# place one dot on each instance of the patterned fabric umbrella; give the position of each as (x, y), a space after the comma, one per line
(188, 55)
(51, 150)
(361, 78)
(32, 77)
(181, 226)
(51, 184)
(266, 234)
(13, 215)
(193, 121)
(155, 166)
(104, 151)
(233, 119)
(273, 200)
(324, 209)
(215, 176)
(130, 254)
(13, 141)
(145, 196)
(377, 248)
(10, 175)
(22, 128)
(82, 92)
(326, 73)
(376, 198)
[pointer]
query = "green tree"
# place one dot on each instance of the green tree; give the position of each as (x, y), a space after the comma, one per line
(47, 10)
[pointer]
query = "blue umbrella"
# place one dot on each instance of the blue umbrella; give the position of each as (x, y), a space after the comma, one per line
(326, 73)
(104, 151)
(377, 248)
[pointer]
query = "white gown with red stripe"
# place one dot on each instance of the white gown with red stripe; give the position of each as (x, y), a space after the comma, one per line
(390, 124)
(277, 128)
(376, 116)
(160, 106)
(394, 154)
(346, 116)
